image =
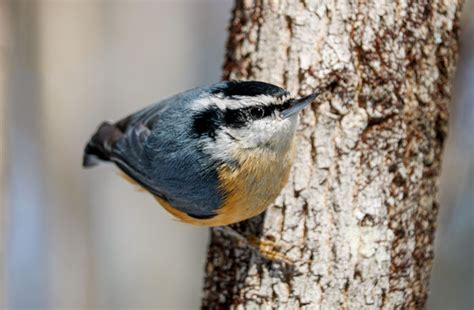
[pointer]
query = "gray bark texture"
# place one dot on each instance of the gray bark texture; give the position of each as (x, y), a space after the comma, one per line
(358, 214)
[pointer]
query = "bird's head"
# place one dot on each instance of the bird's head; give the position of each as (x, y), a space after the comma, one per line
(246, 115)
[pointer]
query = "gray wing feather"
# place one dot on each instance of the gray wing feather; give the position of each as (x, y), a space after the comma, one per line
(154, 147)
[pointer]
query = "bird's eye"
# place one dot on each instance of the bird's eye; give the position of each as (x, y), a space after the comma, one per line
(257, 112)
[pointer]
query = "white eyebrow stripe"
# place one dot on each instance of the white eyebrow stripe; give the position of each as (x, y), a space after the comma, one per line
(236, 102)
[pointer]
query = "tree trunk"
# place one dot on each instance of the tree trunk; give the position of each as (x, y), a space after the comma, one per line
(359, 212)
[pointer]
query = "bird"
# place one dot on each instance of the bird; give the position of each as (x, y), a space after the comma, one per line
(211, 156)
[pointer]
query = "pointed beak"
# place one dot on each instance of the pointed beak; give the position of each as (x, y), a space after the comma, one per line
(297, 105)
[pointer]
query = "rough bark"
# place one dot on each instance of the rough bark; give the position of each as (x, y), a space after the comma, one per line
(359, 212)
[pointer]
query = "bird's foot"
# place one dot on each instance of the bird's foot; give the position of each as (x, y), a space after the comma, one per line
(265, 248)
(268, 249)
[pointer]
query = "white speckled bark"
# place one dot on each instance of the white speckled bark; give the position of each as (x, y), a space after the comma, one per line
(358, 214)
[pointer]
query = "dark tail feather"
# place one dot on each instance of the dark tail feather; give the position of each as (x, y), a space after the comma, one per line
(100, 145)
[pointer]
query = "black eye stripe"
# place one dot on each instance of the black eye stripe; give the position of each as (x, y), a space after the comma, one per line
(238, 118)
(285, 105)
(235, 118)
(209, 120)
(206, 122)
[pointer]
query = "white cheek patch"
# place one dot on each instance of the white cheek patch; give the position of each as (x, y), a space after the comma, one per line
(222, 147)
(273, 133)
(262, 130)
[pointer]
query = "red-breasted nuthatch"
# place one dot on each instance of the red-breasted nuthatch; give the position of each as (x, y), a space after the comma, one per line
(211, 156)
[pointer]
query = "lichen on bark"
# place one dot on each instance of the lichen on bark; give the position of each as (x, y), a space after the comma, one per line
(358, 214)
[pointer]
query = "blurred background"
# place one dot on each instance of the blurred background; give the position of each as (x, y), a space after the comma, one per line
(74, 238)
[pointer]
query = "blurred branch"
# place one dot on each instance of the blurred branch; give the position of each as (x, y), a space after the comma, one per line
(4, 53)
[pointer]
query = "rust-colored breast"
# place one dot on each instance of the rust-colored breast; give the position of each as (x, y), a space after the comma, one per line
(248, 190)
(254, 186)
